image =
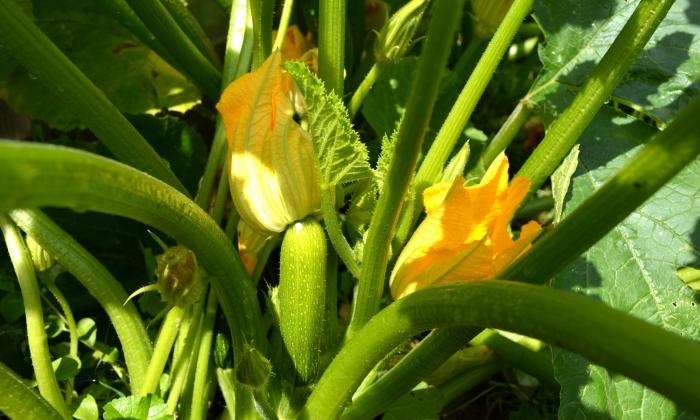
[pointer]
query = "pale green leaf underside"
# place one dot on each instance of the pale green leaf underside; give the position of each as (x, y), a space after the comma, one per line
(633, 269)
(561, 178)
(342, 157)
(661, 81)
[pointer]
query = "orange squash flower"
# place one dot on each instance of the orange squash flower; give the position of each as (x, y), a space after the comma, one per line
(465, 233)
(273, 174)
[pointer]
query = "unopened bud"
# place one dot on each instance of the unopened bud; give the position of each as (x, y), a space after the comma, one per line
(42, 260)
(396, 35)
(179, 279)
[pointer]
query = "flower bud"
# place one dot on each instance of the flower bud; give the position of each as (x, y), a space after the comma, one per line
(396, 35)
(180, 282)
(273, 173)
(42, 260)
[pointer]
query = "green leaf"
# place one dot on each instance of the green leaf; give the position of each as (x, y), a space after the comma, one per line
(87, 331)
(386, 102)
(561, 178)
(66, 367)
(632, 269)
(85, 408)
(343, 158)
(149, 407)
(134, 78)
(662, 80)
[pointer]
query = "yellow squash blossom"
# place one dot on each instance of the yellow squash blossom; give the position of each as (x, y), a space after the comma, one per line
(465, 233)
(273, 175)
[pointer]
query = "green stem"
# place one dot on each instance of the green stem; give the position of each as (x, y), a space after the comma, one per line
(224, 377)
(331, 318)
(662, 158)
(335, 233)
(72, 330)
(331, 44)
(468, 60)
(261, 12)
(23, 39)
(502, 139)
(431, 168)
(156, 17)
(364, 88)
(109, 293)
(236, 62)
(199, 394)
(284, 24)
(420, 103)
(120, 11)
(430, 354)
(18, 401)
(646, 353)
(189, 25)
(515, 355)
(161, 351)
(31, 298)
(40, 175)
(222, 194)
(184, 358)
(600, 84)
(535, 206)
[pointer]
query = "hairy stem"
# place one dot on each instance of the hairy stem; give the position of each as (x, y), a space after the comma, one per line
(646, 353)
(658, 161)
(18, 401)
(421, 100)
(33, 313)
(431, 168)
(99, 282)
(565, 130)
(38, 175)
(331, 44)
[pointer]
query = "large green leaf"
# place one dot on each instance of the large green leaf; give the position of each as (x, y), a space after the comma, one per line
(132, 76)
(342, 157)
(662, 80)
(633, 269)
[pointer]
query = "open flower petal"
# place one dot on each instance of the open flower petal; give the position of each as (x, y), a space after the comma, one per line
(273, 173)
(465, 233)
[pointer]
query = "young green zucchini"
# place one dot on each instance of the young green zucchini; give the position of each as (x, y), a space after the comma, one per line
(302, 292)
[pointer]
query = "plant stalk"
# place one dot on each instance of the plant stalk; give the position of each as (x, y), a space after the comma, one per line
(646, 353)
(565, 130)
(109, 293)
(439, 152)
(371, 284)
(33, 313)
(659, 160)
(40, 175)
(331, 44)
